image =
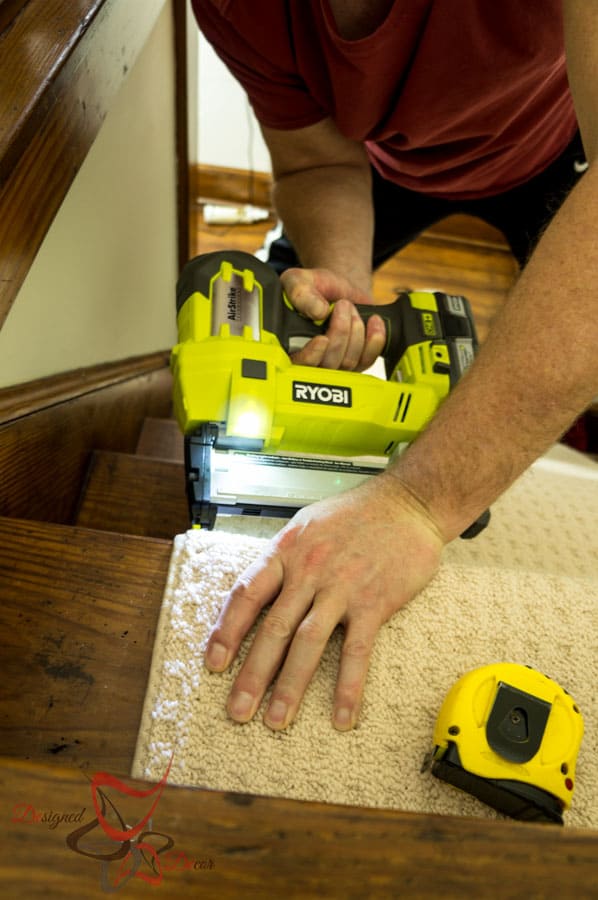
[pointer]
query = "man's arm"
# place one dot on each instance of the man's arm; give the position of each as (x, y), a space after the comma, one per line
(539, 367)
(359, 557)
(322, 193)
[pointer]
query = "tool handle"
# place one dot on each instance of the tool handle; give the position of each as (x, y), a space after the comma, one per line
(278, 316)
(292, 325)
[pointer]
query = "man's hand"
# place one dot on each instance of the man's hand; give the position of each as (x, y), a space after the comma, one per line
(353, 559)
(348, 343)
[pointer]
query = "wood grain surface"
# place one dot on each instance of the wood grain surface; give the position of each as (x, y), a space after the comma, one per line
(48, 430)
(228, 846)
(9, 10)
(162, 439)
(32, 396)
(78, 613)
(135, 495)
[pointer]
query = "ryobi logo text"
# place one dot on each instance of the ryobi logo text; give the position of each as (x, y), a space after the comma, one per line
(326, 394)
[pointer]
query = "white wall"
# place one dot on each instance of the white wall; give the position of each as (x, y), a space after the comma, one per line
(103, 283)
(193, 37)
(228, 133)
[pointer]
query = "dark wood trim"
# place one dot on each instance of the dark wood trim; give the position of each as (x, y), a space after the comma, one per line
(48, 430)
(61, 64)
(182, 129)
(218, 183)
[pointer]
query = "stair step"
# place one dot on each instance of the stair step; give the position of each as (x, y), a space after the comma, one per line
(77, 624)
(162, 439)
(134, 494)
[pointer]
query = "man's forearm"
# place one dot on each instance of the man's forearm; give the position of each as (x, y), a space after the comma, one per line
(537, 371)
(327, 214)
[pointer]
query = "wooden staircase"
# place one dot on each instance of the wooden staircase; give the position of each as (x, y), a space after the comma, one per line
(80, 604)
(91, 494)
(78, 614)
(142, 493)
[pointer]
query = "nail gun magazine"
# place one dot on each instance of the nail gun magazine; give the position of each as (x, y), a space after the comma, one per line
(265, 436)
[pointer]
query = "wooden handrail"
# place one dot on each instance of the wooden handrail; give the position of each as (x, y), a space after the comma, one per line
(61, 64)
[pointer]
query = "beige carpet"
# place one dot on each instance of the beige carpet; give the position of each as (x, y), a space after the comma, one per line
(525, 591)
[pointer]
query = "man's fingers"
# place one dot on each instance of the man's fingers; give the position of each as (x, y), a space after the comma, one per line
(351, 345)
(312, 290)
(267, 652)
(375, 342)
(355, 660)
(342, 344)
(356, 342)
(257, 587)
(312, 353)
(339, 334)
(302, 660)
(302, 290)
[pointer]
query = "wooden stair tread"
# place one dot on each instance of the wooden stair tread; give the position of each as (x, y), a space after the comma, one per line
(162, 439)
(77, 619)
(134, 494)
(264, 847)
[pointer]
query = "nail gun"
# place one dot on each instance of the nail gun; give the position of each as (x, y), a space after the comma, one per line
(264, 436)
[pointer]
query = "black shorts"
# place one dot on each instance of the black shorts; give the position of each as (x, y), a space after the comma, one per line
(521, 214)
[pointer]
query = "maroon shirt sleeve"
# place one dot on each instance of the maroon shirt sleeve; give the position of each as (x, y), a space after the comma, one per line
(254, 42)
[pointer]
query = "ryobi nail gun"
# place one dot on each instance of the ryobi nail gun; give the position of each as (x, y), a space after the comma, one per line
(264, 436)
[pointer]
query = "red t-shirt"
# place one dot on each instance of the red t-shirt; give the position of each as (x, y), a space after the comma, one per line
(455, 98)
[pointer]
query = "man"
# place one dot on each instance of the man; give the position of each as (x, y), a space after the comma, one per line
(455, 106)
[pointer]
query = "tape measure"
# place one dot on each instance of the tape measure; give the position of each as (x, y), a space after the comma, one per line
(509, 736)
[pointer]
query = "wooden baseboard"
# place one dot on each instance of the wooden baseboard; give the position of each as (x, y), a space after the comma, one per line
(49, 428)
(230, 185)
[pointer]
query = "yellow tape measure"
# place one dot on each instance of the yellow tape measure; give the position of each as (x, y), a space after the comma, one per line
(510, 736)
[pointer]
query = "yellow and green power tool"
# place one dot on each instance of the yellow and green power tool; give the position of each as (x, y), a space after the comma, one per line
(509, 736)
(264, 436)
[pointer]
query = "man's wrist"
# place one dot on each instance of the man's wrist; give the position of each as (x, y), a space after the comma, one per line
(438, 492)
(401, 493)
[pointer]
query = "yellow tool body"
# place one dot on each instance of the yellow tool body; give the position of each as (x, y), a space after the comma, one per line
(295, 408)
(237, 391)
(510, 736)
